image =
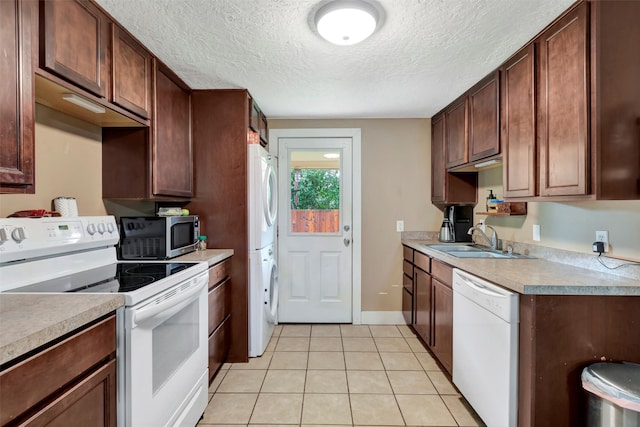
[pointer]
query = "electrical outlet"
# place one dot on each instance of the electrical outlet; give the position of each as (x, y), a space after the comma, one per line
(603, 236)
(536, 232)
(399, 225)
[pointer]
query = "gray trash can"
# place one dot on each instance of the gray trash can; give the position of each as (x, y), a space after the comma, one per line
(614, 394)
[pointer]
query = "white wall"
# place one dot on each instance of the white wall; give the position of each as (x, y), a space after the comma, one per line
(68, 162)
(569, 226)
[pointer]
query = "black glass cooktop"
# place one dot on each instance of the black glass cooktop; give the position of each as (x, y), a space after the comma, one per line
(114, 278)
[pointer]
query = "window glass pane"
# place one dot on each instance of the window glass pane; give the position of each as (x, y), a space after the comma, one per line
(315, 191)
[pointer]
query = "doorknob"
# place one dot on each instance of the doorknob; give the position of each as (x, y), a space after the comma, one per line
(346, 241)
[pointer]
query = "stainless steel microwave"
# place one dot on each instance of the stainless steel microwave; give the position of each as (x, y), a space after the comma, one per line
(157, 237)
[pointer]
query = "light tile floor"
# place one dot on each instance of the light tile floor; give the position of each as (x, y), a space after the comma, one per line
(339, 375)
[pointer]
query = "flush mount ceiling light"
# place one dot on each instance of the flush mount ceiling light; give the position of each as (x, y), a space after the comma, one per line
(84, 103)
(346, 22)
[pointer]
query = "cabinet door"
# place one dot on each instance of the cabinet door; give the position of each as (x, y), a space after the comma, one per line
(422, 295)
(219, 304)
(74, 43)
(18, 29)
(563, 88)
(264, 130)
(407, 306)
(484, 118)
(437, 159)
(442, 339)
(254, 115)
(518, 117)
(92, 402)
(172, 149)
(132, 79)
(219, 344)
(456, 133)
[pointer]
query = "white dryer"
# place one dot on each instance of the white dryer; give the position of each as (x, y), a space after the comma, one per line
(263, 299)
(263, 198)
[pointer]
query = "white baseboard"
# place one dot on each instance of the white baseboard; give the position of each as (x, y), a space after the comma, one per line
(381, 318)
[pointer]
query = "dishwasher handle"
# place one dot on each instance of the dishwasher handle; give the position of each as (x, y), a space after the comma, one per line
(480, 287)
(497, 300)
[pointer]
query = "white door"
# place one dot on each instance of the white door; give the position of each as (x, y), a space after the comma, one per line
(315, 230)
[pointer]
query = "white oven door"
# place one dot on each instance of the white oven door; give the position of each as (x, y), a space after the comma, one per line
(166, 357)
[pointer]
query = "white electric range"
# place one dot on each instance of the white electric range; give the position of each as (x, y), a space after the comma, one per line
(162, 330)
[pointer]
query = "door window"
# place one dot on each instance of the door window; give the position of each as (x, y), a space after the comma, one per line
(316, 184)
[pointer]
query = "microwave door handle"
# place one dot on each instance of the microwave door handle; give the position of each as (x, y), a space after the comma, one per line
(168, 307)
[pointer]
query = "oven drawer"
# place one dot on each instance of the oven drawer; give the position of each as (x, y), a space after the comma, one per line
(219, 347)
(33, 380)
(219, 272)
(219, 304)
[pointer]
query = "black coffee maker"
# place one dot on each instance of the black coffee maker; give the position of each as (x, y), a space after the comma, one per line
(461, 220)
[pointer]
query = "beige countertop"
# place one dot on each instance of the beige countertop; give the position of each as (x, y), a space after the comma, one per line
(28, 321)
(212, 256)
(536, 276)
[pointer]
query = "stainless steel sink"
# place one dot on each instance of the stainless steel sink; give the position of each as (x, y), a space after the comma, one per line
(453, 248)
(479, 254)
(474, 251)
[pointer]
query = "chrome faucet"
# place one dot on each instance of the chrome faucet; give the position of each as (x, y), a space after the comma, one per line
(493, 241)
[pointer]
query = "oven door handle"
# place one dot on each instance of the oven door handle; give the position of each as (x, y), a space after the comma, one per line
(168, 307)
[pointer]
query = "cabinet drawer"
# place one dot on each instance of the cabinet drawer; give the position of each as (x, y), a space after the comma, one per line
(442, 272)
(219, 272)
(219, 347)
(407, 268)
(422, 261)
(407, 306)
(31, 381)
(219, 304)
(407, 253)
(407, 283)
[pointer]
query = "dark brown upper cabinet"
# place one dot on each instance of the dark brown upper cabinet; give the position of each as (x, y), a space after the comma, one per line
(456, 136)
(518, 122)
(18, 40)
(448, 187)
(131, 74)
(264, 130)
(74, 43)
(153, 163)
(563, 107)
(172, 148)
(484, 118)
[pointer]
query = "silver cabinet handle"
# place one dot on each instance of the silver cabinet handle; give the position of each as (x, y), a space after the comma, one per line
(346, 241)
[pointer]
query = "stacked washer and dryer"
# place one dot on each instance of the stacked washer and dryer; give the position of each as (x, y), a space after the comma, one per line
(263, 269)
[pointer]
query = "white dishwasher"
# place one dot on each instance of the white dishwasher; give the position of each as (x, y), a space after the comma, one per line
(485, 348)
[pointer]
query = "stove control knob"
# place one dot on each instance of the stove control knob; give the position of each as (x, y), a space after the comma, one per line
(101, 228)
(4, 235)
(111, 228)
(91, 229)
(19, 234)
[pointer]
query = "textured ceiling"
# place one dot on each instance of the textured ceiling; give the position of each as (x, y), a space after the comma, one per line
(425, 53)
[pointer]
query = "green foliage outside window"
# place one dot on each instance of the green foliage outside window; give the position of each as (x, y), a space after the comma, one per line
(315, 189)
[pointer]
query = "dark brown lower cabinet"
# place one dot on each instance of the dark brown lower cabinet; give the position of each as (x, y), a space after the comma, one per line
(71, 383)
(219, 347)
(559, 336)
(442, 338)
(219, 315)
(407, 306)
(422, 325)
